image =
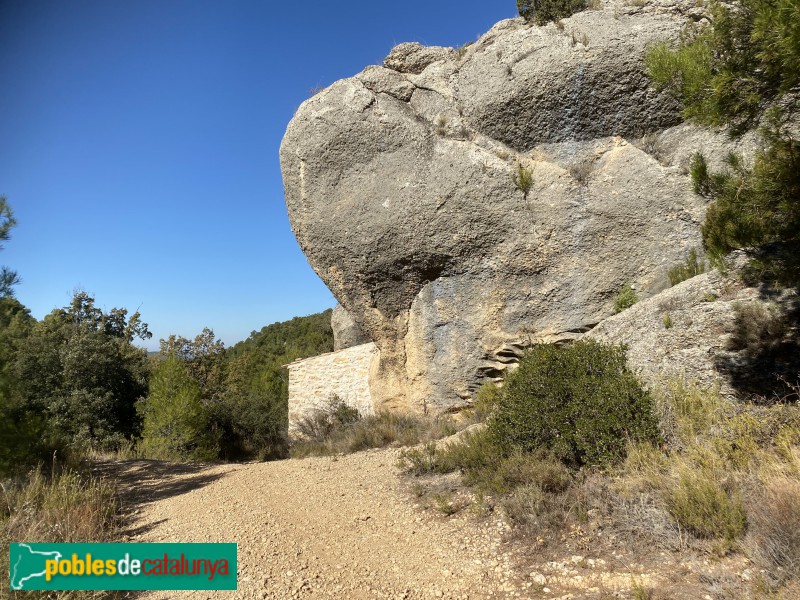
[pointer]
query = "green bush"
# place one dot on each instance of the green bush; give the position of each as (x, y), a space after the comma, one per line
(625, 299)
(579, 402)
(544, 11)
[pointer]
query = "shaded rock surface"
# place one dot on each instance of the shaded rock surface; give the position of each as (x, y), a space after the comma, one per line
(400, 187)
(346, 332)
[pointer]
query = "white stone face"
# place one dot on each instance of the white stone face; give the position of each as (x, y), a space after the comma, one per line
(345, 373)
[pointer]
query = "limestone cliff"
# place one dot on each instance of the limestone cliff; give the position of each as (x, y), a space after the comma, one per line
(400, 187)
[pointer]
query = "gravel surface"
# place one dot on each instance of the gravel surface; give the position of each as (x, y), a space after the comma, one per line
(341, 527)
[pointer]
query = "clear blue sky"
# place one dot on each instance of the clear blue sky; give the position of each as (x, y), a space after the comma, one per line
(139, 146)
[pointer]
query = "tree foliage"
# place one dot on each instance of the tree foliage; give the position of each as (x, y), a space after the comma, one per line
(742, 71)
(176, 424)
(729, 72)
(757, 207)
(243, 390)
(203, 357)
(78, 370)
(8, 278)
(544, 11)
(257, 385)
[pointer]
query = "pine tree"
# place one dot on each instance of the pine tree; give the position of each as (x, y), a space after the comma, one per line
(176, 423)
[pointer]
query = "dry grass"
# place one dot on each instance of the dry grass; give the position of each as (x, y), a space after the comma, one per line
(66, 507)
(440, 124)
(377, 431)
(774, 537)
(724, 479)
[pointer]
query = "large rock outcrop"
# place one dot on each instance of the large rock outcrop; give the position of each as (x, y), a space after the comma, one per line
(400, 187)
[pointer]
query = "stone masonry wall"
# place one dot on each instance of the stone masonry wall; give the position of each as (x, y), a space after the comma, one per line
(345, 373)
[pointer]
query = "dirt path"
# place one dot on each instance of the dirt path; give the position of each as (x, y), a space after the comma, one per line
(320, 528)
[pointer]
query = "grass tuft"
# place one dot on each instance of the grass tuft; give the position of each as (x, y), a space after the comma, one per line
(65, 507)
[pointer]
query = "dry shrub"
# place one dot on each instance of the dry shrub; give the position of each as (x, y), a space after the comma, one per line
(543, 471)
(65, 507)
(531, 507)
(688, 410)
(378, 431)
(774, 516)
(582, 169)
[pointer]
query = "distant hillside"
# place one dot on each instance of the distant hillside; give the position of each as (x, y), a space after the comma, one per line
(283, 342)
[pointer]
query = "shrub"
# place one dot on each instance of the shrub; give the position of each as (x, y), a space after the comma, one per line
(705, 507)
(419, 461)
(475, 455)
(523, 179)
(322, 421)
(625, 299)
(542, 470)
(345, 435)
(486, 400)
(579, 402)
(544, 11)
(441, 125)
(582, 169)
(690, 267)
(695, 409)
(254, 422)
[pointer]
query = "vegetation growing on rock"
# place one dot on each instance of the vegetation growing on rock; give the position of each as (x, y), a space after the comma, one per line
(741, 71)
(544, 11)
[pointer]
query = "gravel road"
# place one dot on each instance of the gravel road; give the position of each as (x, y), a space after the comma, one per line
(342, 527)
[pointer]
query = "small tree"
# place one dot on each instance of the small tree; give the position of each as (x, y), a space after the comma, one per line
(176, 424)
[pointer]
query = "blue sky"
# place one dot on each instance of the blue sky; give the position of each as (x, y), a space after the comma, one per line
(139, 146)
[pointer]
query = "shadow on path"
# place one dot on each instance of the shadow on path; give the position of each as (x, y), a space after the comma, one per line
(140, 482)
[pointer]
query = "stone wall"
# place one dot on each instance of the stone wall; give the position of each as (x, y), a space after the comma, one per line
(345, 373)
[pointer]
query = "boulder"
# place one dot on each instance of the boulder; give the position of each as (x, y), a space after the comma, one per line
(403, 189)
